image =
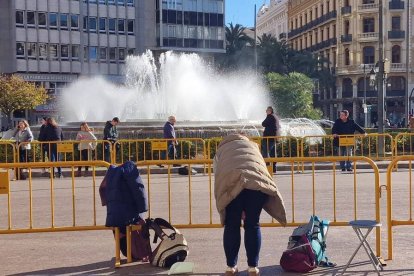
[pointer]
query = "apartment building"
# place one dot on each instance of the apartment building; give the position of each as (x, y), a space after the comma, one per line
(358, 55)
(272, 19)
(54, 42)
(346, 32)
(313, 28)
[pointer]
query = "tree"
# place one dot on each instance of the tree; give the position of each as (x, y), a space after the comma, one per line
(16, 93)
(272, 54)
(292, 95)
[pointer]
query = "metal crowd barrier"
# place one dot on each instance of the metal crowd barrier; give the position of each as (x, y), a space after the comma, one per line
(404, 195)
(157, 149)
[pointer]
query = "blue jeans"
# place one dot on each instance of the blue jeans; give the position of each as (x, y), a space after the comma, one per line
(54, 156)
(172, 153)
(345, 151)
(251, 202)
(268, 149)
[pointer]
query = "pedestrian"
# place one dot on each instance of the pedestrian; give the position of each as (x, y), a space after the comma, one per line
(111, 135)
(53, 134)
(23, 136)
(169, 133)
(345, 126)
(85, 134)
(42, 138)
(271, 129)
(243, 187)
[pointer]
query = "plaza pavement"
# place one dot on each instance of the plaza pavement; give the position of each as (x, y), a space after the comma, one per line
(92, 252)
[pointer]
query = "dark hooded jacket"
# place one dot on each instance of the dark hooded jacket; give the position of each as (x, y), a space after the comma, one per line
(345, 128)
(271, 125)
(110, 132)
(124, 195)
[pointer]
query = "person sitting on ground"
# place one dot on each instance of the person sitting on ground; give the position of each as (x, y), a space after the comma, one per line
(85, 148)
(243, 186)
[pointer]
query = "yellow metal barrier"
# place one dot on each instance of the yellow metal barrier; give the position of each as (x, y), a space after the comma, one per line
(404, 144)
(364, 145)
(7, 152)
(405, 196)
(188, 211)
(157, 149)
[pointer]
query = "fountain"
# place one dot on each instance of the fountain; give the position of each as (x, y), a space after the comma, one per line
(205, 101)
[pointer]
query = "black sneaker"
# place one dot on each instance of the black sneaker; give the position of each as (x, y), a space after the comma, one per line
(349, 170)
(343, 170)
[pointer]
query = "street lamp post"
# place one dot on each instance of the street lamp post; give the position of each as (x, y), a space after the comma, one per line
(364, 103)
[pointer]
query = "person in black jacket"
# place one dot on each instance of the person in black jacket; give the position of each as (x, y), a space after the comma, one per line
(53, 133)
(42, 138)
(272, 129)
(111, 135)
(345, 126)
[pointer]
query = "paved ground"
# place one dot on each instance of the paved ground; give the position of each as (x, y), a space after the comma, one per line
(92, 252)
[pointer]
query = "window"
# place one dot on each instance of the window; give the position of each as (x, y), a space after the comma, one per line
(103, 53)
(131, 52)
(368, 2)
(112, 55)
(368, 25)
(346, 26)
(121, 26)
(396, 23)
(53, 20)
(53, 51)
(369, 55)
(74, 21)
(130, 26)
(396, 54)
(63, 21)
(111, 26)
(121, 54)
(20, 49)
(31, 49)
(42, 47)
(41, 19)
(121, 2)
(30, 18)
(130, 3)
(75, 52)
(85, 53)
(19, 18)
(347, 57)
(172, 31)
(93, 53)
(92, 24)
(102, 25)
(85, 23)
(102, 2)
(64, 51)
(111, 2)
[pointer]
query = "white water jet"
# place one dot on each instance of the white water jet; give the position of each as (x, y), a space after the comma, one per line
(183, 85)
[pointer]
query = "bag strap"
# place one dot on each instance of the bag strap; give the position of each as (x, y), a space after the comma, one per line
(159, 233)
(165, 224)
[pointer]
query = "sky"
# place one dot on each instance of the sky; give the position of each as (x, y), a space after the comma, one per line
(241, 11)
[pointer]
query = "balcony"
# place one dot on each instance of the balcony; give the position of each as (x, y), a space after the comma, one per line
(346, 38)
(398, 67)
(282, 36)
(396, 5)
(367, 37)
(397, 34)
(368, 7)
(346, 10)
(322, 19)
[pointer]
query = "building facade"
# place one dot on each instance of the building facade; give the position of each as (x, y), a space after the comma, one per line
(313, 27)
(53, 42)
(272, 19)
(358, 31)
(346, 32)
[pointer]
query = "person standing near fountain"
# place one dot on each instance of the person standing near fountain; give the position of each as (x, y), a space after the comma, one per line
(345, 126)
(272, 129)
(85, 134)
(242, 188)
(42, 138)
(169, 133)
(53, 133)
(111, 135)
(23, 136)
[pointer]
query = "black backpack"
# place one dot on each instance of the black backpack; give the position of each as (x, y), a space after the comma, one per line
(184, 171)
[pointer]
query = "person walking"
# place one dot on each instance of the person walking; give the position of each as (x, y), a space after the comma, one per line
(53, 134)
(345, 126)
(271, 129)
(111, 135)
(243, 187)
(169, 133)
(44, 147)
(85, 134)
(23, 136)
